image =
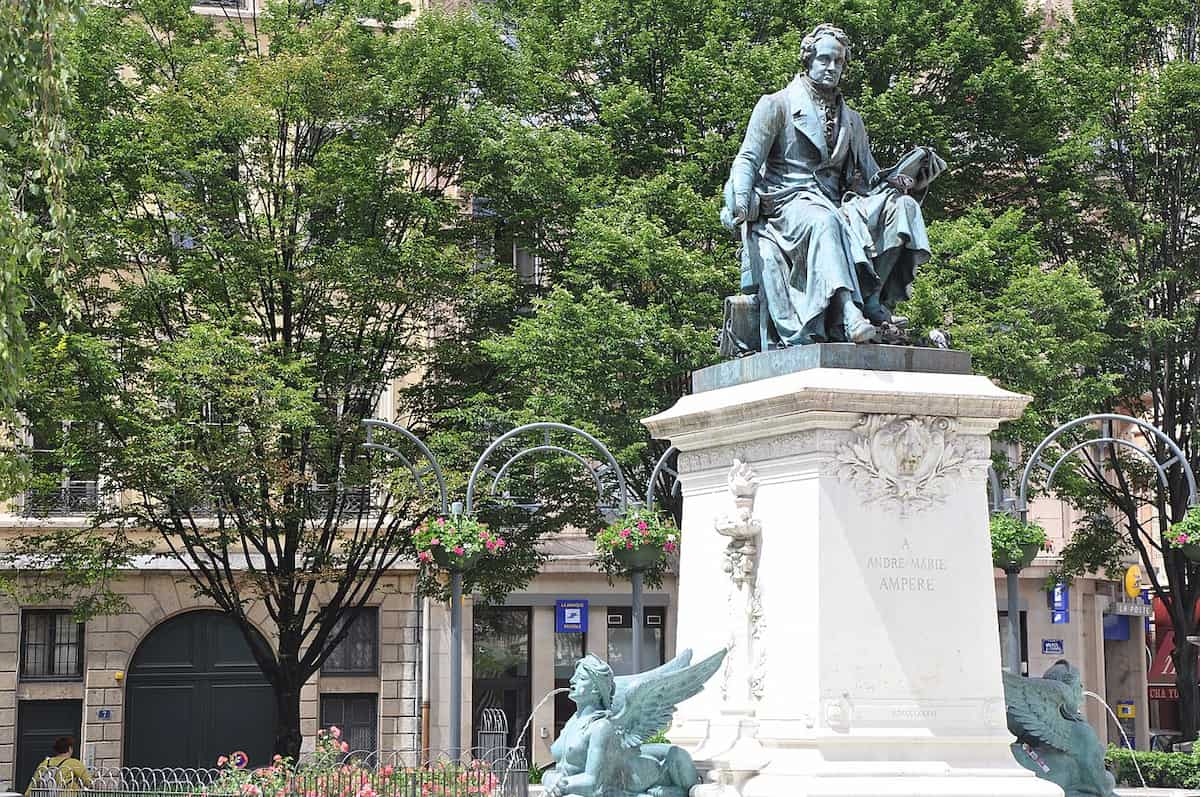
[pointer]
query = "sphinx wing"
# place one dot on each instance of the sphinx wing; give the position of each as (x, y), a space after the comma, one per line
(649, 702)
(623, 683)
(1040, 709)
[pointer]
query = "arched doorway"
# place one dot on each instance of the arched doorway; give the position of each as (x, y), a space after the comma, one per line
(194, 692)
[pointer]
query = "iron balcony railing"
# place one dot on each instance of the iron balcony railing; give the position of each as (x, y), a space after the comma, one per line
(75, 497)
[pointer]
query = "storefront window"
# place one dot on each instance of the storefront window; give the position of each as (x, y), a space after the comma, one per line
(500, 673)
(568, 649)
(1004, 655)
(620, 639)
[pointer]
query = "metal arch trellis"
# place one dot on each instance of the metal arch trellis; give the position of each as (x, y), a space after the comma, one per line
(1147, 428)
(548, 428)
(433, 468)
(1035, 460)
(662, 467)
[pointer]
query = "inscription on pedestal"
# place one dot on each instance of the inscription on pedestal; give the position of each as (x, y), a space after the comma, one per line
(905, 571)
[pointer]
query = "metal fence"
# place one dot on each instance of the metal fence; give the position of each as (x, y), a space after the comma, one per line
(499, 772)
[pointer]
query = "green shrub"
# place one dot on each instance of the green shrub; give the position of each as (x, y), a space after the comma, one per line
(1165, 770)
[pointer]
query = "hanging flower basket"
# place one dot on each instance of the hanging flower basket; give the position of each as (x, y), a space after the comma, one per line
(638, 542)
(636, 559)
(456, 543)
(1191, 551)
(1029, 552)
(1185, 535)
(448, 560)
(1015, 544)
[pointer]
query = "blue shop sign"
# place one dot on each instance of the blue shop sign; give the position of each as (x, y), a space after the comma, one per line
(570, 616)
(1052, 647)
(1060, 598)
(1060, 604)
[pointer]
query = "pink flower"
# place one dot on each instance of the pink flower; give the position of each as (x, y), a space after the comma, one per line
(625, 532)
(345, 747)
(222, 760)
(251, 789)
(629, 545)
(277, 758)
(669, 547)
(424, 556)
(641, 524)
(491, 545)
(500, 543)
(483, 536)
(441, 521)
(459, 550)
(387, 771)
(645, 533)
(436, 541)
(335, 731)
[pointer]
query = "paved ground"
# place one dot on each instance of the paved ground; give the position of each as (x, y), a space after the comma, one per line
(1157, 793)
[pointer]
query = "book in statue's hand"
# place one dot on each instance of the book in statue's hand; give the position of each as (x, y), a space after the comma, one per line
(922, 164)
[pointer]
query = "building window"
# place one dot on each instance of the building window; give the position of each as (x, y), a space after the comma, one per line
(620, 639)
(358, 653)
(51, 645)
(63, 483)
(357, 718)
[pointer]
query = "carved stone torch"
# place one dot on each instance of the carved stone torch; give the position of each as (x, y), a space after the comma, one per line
(742, 685)
(741, 565)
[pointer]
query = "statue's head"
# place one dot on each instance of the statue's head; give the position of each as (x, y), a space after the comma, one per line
(592, 682)
(825, 53)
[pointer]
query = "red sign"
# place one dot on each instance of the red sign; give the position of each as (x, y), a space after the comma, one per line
(1162, 669)
(1164, 693)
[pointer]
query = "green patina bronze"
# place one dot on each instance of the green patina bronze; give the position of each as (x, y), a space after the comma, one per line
(602, 751)
(831, 241)
(1053, 739)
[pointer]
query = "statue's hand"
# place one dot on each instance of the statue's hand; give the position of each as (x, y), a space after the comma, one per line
(901, 182)
(559, 789)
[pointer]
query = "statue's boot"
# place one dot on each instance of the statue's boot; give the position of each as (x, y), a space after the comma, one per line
(875, 310)
(858, 328)
(861, 331)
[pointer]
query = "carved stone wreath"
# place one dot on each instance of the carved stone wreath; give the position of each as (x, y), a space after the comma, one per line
(903, 461)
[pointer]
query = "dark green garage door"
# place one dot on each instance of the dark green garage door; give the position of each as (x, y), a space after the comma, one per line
(193, 693)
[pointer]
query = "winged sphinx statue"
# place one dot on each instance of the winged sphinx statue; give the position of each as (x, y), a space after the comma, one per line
(1053, 738)
(602, 751)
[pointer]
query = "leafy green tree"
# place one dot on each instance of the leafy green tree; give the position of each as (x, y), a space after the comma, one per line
(1030, 325)
(35, 163)
(608, 166)
(271, 228)
(1126, 80)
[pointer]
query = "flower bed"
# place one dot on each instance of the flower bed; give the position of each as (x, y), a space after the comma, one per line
(331, 772)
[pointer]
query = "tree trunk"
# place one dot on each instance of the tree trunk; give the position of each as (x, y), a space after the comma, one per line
(1185, 682)
(287, 722)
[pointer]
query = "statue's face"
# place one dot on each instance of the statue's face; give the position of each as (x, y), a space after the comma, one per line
(583, 689)
(828, 62)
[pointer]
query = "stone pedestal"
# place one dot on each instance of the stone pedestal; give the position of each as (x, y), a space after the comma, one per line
(859, 602)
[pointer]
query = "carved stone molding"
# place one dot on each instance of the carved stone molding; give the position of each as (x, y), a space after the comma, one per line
(822, 441)
(905, 462)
